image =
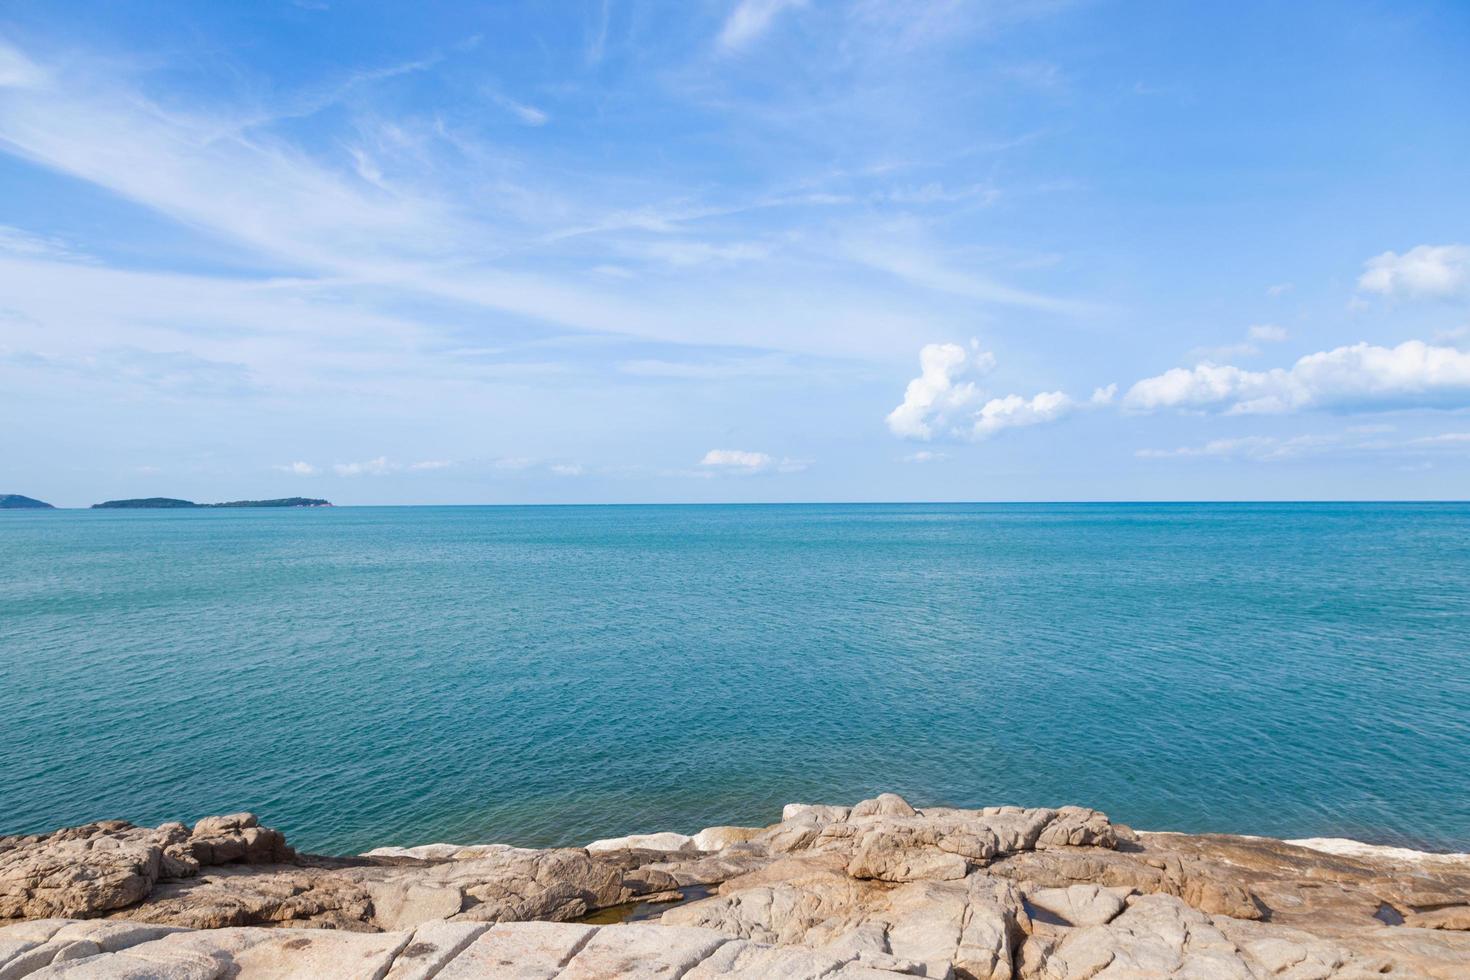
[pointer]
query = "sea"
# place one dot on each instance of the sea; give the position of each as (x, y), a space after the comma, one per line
(367, 676)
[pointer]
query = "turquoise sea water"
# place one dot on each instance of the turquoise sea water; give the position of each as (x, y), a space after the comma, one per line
(366, 676)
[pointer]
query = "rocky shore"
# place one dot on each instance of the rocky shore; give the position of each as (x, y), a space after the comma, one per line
(876, 890)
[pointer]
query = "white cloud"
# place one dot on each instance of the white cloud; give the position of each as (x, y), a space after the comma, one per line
(937, 393)
(750, 19)
(737, 459)
(514, 463)
(431, 464)
(299, 468)
(1358, 439)
(371, 467)
(1013, 411)
(18, 71)
(18, 241)
(1261, 448)
(940, 402)
(1280, 289)
(567, 469)
(745, 461)
(1256, 334)
(925, 456)
(528, 114)
(1362, 377)
(1268, 333)
(1444, 439)
(1454, 335)
(899, 249)
(1423, 272)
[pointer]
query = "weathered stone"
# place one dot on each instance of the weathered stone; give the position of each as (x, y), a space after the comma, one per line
(881, 889)
(403, 905)
(719, 838)
(433, 946)
(519, 951)
(644, 842)
(884, 805)
(1079, 905)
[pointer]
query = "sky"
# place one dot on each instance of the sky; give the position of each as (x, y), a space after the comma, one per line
(734, 250)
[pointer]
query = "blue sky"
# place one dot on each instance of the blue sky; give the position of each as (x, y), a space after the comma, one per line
(731, 250)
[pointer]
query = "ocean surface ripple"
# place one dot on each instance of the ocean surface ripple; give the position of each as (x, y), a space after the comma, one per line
(540, 675)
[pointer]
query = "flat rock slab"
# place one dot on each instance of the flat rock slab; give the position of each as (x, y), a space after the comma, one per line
(441, 951)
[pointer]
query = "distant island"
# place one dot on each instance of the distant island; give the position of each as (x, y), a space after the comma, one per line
(172, 503)
(14, 501)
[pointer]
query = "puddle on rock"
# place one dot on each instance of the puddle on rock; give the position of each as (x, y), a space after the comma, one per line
(643, 910)
(1388, 914)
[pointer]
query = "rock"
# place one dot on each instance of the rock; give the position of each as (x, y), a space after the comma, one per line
(814, 811)
(525, 950)
(885, 805)
(432, 947)
(400, 905)
(243, 896)
(900, 856)
(1078, 905)
(719, 838)
(645, 842)
(315, 953)
(111, 864)
(79, 871)
(1456, 917)
(877, 890)
(1156, 937)
(641, 952)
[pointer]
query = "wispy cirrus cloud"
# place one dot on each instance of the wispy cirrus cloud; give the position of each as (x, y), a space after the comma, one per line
(749, 19)
(1355, 440)
(528, 114)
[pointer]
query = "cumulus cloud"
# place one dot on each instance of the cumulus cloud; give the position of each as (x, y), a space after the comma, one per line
(939, 401)
(431, 464)
(745, 461)
(750, 19)
(1361, 377)
(299, 468)
(1423, 272)
(937, 392)
(1013, 411)
(925, 456)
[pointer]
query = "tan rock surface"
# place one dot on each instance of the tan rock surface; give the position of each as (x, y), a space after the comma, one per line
(879, 889)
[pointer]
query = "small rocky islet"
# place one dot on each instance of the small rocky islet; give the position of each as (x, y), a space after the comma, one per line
(875, 890)
(16, 501)
(174, 503)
